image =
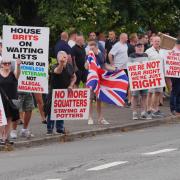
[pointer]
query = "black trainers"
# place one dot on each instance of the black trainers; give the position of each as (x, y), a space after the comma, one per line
(9, 142)
(2, 143)
(49, 133)
(44, 122)
(60, 131)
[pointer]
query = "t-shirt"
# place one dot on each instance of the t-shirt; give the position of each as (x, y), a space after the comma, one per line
(119, 51)
(100, 59)
(136, 57)
(9, 85)
(79, 55)
(100, 47)
(131, 49)
(153, 54)
(62, 45)
(108, 46)
(71, 43)
(62, 80)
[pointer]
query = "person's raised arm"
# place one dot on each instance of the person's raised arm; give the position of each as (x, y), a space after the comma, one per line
(73, 81)
(17, 70)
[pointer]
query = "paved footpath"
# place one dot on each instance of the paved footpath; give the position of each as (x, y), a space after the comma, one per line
(114, 115)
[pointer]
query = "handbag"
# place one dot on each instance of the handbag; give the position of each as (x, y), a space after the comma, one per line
(13, 103)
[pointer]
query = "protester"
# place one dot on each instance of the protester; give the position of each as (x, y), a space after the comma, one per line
(100, 60)
(8, 90)
(146, 42)
(102, 39)
(79, 56)
(72, 38)
(153, 102)
(139, 56)
(92, 36)
(62, 45)
(133, 38)
(110, 43)
(118, 56)
(63, 77)
(175, 92)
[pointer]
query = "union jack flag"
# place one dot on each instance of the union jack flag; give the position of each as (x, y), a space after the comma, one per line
(110, 87)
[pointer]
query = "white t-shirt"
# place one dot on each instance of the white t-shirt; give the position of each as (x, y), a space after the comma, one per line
(71, 43)
(153, 54)
(119, 51)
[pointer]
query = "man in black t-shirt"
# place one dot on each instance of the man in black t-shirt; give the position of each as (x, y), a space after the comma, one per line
(110, 43)
(79, 57)
(62, 77)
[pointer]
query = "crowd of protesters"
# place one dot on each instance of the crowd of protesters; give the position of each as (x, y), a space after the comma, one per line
(112, 53)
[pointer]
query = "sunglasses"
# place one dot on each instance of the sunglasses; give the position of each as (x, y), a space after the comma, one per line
(6, 63)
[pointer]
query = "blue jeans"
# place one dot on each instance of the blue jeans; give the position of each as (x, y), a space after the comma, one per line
(175, 95)
(50, 124)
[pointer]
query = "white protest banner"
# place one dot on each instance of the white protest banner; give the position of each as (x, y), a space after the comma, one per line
(68, 105)
(31, 46)
(146, 75)
(3, 120)
(172, 64)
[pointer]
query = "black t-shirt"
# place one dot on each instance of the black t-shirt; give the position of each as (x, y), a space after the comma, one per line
(9, 85)
(108, 46)
(63, 80)
(62, 45)
(131, 49)
(79, 55)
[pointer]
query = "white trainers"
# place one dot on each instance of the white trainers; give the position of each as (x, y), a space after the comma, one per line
(103, 121)
(13, 134)
(90, 121)
(135, 116)
(143, 115)
(26, 133)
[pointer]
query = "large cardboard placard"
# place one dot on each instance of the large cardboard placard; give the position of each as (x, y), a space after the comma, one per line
(31, 46)
(3, 120)
(70, 105)
(172, 64)
(146, 75)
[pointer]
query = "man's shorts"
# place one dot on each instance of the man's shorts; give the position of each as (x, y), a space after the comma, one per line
(26, 102)
(139, 92)
(154, 90)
